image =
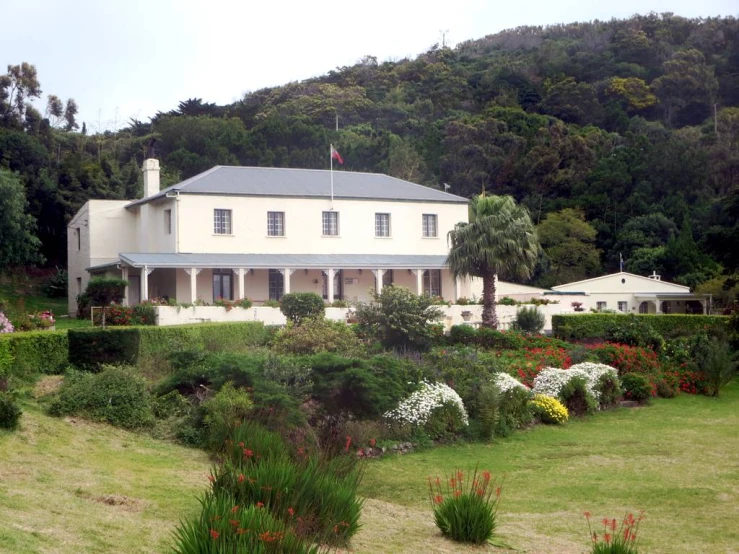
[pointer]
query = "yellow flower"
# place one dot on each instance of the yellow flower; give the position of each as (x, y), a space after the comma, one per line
(549, 409)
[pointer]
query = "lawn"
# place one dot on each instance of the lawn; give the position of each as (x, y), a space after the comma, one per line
(67, 485)
(677, 460)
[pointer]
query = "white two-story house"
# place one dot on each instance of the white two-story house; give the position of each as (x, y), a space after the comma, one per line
(258, 233)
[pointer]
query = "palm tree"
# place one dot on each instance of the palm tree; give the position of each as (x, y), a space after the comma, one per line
(501, 240)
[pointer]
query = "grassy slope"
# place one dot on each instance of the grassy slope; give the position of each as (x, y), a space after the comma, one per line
(72, 486)
(35, 301)
(677, 460)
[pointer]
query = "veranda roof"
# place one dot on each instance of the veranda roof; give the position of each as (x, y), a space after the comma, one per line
(285, 261)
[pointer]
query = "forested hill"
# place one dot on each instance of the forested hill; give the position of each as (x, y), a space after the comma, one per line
(622, 138)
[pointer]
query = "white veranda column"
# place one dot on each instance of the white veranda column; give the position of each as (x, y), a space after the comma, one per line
(379, 273)
(419, 280)
(457, 288)
(145, 272)
(330, 273)
(193, 273)
(286, 281)
(124, 276)
(240, 278)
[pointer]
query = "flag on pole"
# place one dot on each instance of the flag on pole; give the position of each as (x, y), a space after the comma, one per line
(335, 155)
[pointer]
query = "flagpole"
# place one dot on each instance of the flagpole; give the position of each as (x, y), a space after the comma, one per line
(331, 161)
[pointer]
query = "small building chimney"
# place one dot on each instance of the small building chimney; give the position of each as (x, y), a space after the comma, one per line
(151, 177)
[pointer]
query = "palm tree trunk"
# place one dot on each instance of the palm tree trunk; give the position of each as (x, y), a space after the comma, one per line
(489, 315)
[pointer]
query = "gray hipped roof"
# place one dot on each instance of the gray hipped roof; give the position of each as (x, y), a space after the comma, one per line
(303, 183)
(280, 261)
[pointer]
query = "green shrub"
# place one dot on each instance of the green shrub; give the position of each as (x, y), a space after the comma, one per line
(228, 408)
(34, 353)
(576, 397)
(489, 410)
(462, 334)
(299, 306)
(172, 404)
(498, 340)
(321, 335)
(589, 326)
(529, 320)
(609, 390)
(116, 395)
(715, 361)
(634, 331)
(514, 411)
(399, 318)
(466, 507)
(636, 387)
(10, 412)
(364, 388)
(149, 348)
(103, 291)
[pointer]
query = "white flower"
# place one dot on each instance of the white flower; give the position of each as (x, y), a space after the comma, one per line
(551, 380)
(418, 407)
(505, 383)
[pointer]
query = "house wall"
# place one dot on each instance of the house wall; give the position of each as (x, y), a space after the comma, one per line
(105, 228)
(303, 226)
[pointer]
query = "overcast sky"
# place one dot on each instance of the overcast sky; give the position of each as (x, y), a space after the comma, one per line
(136, 57)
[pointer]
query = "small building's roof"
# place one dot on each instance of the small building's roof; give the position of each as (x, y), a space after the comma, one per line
(583, 286)
(303, 183)
(285, 261)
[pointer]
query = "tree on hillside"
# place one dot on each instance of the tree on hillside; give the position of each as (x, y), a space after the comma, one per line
(499, 239)
(569, 242)
(18, 244)
(19, 84)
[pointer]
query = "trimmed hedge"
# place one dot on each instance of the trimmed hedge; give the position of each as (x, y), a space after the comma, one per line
(590, 326)
(148, 348)
(33, 352)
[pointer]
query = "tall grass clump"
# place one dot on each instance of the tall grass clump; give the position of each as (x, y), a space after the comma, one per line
(466, 507)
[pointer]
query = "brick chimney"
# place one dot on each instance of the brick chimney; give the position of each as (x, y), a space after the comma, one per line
(151, 177)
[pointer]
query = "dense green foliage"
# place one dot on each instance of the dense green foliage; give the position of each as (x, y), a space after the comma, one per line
(26, 355)
(529, 320)
(614, 119)
(149, 347)
(399, 318)
(585, 326)
(298, 306)
(116, 395)
(10, 412)
(321, 335)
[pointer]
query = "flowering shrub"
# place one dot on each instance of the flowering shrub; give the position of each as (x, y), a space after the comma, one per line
(627, 359)
(604, 381)
(42, 320)
(616, 541)
(5, 325)
(549, 410)
(506, 383)
(573, 387)
(465, 508)
(527, 363)
(692, 382)
(428, 402)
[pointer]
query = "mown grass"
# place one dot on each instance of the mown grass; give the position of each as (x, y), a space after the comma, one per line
(67, 485)
(678, 460)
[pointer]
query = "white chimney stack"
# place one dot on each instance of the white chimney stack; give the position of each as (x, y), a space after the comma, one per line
(151, 177)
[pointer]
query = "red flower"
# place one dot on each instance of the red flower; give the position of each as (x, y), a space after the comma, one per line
(248, 453)
(241, 478)
(215, 534)
(291, 512)
(260, 504)
(234, 509)
(438, 499)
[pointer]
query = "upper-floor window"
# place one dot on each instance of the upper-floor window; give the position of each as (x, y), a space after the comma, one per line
(382, 225)
(276, 224)
(430, 228)
(167, 222)
(330, 223)
(432, 282)
(222, 222)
